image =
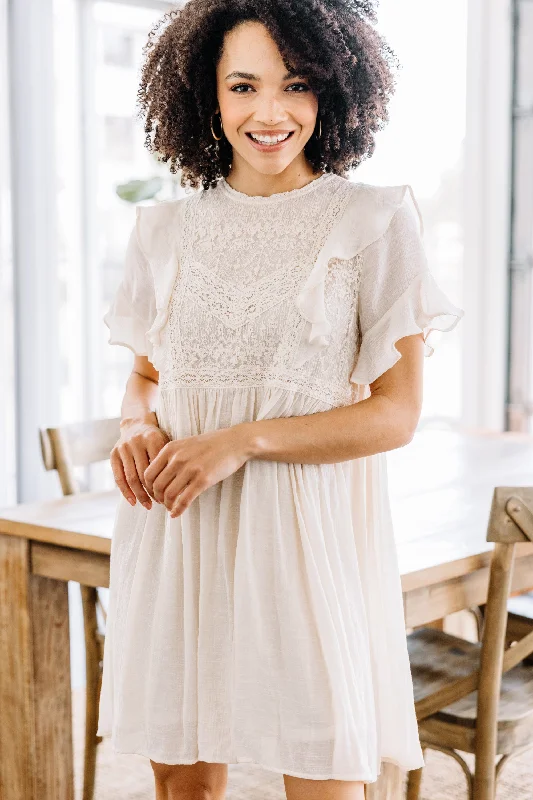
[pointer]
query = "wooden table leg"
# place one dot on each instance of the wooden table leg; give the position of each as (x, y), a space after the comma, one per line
(36, 760)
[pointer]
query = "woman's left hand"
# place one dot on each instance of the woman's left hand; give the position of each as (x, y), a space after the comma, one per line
(184, 468)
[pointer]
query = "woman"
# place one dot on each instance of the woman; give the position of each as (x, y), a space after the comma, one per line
(278, 317)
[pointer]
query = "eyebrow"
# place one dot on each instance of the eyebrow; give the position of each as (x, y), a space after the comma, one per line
(248, 76)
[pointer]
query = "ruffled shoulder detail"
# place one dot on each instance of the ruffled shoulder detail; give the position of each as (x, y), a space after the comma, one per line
(159, 229)
(365, 218)
(422, 308)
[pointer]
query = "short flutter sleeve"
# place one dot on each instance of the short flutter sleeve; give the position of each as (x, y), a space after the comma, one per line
(398, 295)
(139, 311)
(133, 309)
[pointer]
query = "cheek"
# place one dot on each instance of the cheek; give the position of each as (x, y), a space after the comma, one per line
(307, 112)
(234, 115)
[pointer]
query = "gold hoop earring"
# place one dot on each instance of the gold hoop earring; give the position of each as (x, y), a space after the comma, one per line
(212, 131)
(319, 128)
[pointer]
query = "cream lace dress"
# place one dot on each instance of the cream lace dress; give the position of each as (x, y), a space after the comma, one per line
(265, 623)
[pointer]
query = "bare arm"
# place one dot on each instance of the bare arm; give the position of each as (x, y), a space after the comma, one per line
(138, 404)
(384, 421)
(141, 439)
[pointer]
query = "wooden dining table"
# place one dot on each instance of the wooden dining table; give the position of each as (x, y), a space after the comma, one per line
(441, 487)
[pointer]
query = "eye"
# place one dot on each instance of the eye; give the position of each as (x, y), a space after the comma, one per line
(300, 85)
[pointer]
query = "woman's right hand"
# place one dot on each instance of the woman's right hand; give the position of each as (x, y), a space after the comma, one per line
(140, 441)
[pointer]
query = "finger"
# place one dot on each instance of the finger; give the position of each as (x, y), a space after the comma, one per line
(120, 477)
(140, 458)
(153, 471)
(176, 489)
(169, 483)
(154, 446)
(153, 449)
(133, 479)
(184, 500)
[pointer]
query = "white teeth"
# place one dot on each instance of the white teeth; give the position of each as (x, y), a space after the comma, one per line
(269, 139)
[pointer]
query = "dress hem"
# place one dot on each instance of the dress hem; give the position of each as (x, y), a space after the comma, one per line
(268, 768)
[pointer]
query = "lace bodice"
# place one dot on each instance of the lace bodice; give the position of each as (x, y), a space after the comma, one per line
(232, 319)
(306, 290)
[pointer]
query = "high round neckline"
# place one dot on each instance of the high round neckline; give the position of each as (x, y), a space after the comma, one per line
(276, 196)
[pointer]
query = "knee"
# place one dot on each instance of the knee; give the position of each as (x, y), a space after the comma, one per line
(181, 784)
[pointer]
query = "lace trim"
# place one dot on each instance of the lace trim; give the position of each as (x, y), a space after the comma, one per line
(177, 293)
(277, 196)
(332, 395)
(234, 306)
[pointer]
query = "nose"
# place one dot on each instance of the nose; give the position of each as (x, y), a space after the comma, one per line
(270, 110)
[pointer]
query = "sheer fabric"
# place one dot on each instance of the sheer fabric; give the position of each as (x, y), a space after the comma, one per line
(265, 624)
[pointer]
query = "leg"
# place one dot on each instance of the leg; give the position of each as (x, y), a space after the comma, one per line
(304, 789)
(200, 781)
(35, 722)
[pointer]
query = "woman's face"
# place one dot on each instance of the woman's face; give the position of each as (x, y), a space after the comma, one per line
(256, 96)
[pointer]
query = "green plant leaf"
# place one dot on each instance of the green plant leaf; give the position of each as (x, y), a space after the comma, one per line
(135, 191)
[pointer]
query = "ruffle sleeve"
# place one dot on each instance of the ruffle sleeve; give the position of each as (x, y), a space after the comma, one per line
(139, 310)
(133, 309)
(398, 295)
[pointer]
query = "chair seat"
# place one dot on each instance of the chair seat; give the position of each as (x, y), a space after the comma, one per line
(438, 658)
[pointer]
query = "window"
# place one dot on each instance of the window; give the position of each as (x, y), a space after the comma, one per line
(423, 145)
(119, 141)
(102, 55)
(520, 408)
(118, 48)
(7, 383)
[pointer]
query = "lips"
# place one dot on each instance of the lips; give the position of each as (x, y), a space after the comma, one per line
(272, 133)
(273, 147)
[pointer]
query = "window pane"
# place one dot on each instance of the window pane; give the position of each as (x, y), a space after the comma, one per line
(7, 383)
(521, 347)
(422, 145)
(525, 54)
(101, 141)
(119, 34)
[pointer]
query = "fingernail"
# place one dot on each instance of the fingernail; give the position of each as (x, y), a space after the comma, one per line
(131, 501)
(147, 505)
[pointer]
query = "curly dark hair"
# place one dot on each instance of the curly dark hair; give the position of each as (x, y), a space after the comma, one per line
(347, 62)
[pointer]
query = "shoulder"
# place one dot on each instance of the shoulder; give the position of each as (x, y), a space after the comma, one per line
(372, 202)
(370, 212)
(157, 226)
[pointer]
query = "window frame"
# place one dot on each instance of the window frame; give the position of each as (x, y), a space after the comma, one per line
(487, 196)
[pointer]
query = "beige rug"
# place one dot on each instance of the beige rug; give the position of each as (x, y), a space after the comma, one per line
(121, 777)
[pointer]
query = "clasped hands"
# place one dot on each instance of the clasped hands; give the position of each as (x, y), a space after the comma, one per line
(148, 465)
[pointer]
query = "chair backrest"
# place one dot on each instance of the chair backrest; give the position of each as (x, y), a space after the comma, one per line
(77, 444)
(510, 522)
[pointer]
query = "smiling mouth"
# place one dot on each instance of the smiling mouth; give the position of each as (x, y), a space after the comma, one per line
(269, 144)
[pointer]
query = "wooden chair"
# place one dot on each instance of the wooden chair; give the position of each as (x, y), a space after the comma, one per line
(478, 697)
(63, 449)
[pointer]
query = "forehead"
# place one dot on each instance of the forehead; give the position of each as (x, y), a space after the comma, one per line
(249, 50)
